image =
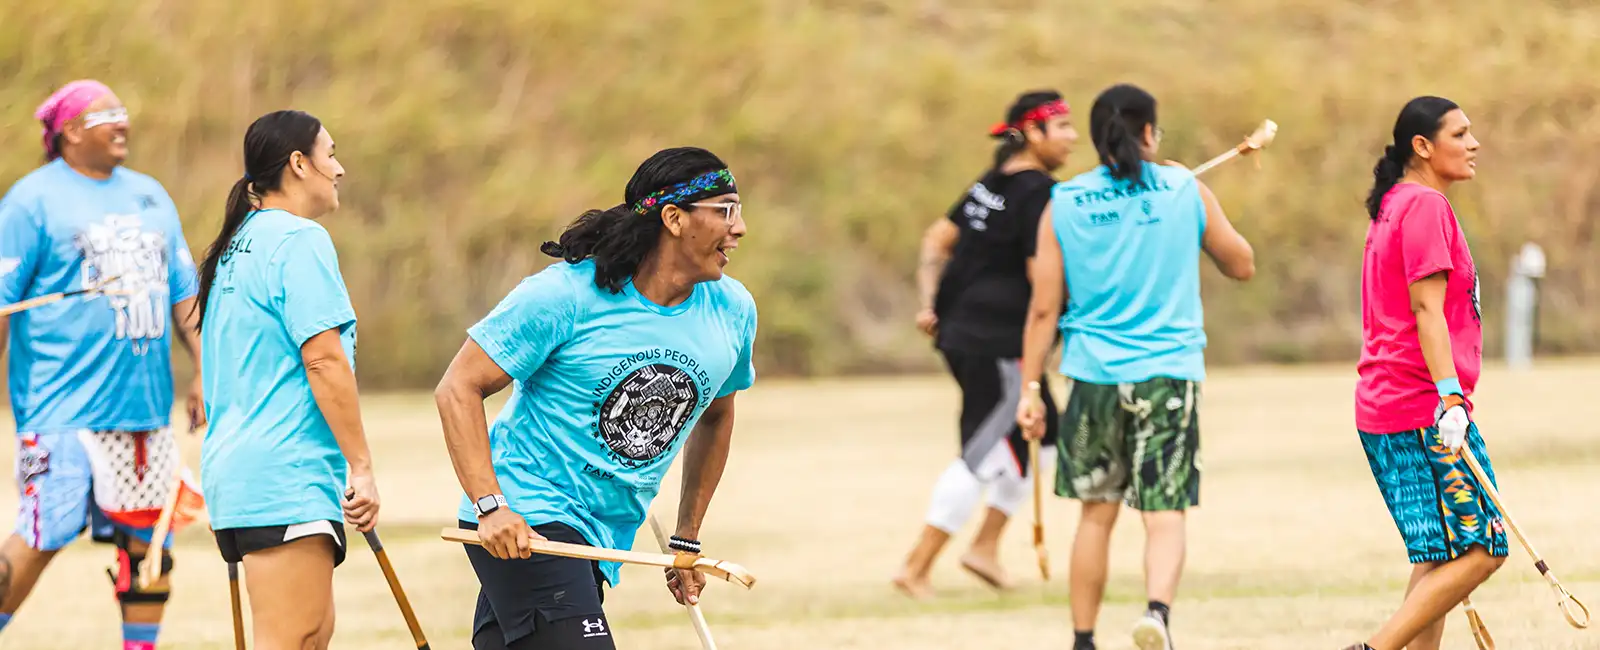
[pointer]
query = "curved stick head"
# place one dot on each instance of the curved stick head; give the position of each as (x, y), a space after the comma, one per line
(1567, 602)
(1262, 136)
(727, 571)
(1480, 632)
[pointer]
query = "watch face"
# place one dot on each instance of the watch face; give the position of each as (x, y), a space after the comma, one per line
(486, 504)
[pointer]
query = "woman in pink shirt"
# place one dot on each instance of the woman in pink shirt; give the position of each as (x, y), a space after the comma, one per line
(1421, 352)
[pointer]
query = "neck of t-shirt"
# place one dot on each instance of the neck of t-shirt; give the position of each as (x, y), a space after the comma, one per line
(285, 202)
(661, 283)
(86, 170)
(1425, 178)
(1022, 162)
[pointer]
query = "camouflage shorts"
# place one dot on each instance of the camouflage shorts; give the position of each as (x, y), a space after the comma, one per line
(1138, 443)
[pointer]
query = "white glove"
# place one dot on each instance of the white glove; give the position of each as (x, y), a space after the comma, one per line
(1451, 418)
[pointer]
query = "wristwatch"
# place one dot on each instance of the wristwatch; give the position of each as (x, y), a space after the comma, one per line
(488, 504)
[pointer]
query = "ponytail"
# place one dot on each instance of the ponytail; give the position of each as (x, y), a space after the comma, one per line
(1012, 143)
(268, 144)
(616, 239)
(238, 208)
(1391, 166)
(1117, 122)
(52, 149)
(1120, 150)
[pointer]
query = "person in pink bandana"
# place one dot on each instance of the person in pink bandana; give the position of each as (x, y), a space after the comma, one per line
(91, 377)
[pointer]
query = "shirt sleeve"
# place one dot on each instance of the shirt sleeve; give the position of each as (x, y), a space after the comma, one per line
(21, 243)
(183, 280)
(744, 369)
(958, 210)
(1425, 237)
(529, 324)
(315, 299)
(1032, 212)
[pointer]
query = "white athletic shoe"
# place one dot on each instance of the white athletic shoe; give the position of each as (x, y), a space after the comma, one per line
(1150, 633)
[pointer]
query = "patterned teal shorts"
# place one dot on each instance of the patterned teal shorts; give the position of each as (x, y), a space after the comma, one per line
(1433, 496)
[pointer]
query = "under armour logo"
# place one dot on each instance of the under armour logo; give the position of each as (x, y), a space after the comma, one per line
(594, 627)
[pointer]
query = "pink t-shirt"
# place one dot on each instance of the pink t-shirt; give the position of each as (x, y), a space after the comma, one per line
(1415, 235)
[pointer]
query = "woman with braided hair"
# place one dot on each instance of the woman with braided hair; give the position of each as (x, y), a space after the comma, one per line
(974, 285)
(630, 349)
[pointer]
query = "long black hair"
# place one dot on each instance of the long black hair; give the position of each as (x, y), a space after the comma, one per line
(268, 144)
(618, 239)
(1117, 123)
(1012, 140)
(1421, 116)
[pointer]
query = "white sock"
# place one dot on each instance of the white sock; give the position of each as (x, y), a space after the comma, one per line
(954, 496)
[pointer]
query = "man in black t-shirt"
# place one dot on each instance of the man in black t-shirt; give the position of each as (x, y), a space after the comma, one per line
(975, 292)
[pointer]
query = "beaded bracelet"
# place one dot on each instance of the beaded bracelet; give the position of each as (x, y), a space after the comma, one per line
(684, 544)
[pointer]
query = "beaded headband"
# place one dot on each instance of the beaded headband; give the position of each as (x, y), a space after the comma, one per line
(707, 184)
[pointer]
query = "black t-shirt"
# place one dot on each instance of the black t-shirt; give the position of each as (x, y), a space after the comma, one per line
(982, 302)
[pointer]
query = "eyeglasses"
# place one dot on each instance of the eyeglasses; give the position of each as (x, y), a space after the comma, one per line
(109, 116)
(1158, 135)
(730, 211)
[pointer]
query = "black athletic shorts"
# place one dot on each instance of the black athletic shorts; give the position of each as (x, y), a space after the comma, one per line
(235, 543)
(990, 390)
(545, 602)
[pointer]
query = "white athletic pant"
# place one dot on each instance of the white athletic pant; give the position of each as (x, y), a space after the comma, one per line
(958, 489)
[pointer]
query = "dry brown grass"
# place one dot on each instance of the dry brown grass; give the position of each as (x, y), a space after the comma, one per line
(473, 129)
(1292, 547)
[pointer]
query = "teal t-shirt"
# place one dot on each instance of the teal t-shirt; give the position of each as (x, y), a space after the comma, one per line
(269, 458)
(606, 388)
(92, 362)
(1131, 257)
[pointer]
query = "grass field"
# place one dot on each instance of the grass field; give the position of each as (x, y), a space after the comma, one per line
(1292, 547)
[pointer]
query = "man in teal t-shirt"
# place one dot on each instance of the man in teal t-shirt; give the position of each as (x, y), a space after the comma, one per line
(619, 357)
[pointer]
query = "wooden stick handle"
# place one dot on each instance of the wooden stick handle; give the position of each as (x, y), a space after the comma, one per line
(1480, 632)
(238, 610)
(697, 617)
(1039, 549)
(1038, 490)
(718, 568)
(40, 301)
(1564, 599)
(7, 310)
(1207, 165)
(399, 591)
(150, 566)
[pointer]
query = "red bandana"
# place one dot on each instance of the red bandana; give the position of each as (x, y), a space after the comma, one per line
(1039, 113)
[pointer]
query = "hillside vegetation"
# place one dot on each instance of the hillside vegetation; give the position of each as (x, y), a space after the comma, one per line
(472, 130)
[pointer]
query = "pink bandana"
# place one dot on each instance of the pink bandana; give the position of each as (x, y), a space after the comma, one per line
(67, 103)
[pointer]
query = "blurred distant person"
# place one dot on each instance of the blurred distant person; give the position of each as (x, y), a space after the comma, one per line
(1421, 354)
(974, 284)
(91, 379)
(286, 463)
(1123, 241)
(628, 351)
